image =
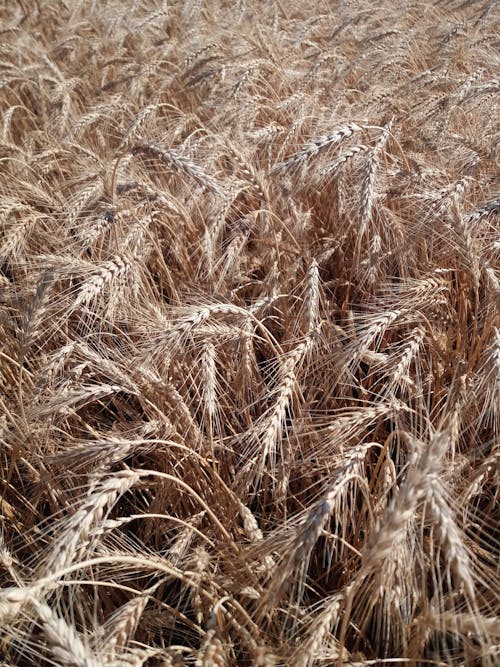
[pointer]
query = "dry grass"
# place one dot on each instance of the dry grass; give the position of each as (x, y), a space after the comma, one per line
(249, 313)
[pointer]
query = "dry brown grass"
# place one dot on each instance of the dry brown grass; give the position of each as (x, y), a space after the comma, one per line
(250, 333)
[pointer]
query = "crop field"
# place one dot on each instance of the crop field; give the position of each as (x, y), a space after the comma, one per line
(249, 333)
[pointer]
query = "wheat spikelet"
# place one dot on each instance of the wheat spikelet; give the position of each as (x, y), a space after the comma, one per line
(451, 540)
(72, 539)
(313, 297)
(217, 224)
(121, 626)
(368, 187)
(409, 496)
(180, 163)
(317, 146)
(269, 431)
(64, 644)
(70, 399)
(12, 601)
(107, 273)
(211, 651)
(311, 648)
(100, 111)
(332, 168)
(373, 335)
(35, 312)
(400, 375)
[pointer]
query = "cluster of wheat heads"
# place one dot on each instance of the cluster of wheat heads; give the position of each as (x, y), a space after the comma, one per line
(250, 346)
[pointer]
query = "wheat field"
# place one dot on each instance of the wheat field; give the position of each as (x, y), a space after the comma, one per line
(249, 333)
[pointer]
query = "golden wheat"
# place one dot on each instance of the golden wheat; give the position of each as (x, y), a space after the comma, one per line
(249, 325)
